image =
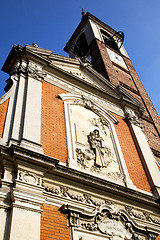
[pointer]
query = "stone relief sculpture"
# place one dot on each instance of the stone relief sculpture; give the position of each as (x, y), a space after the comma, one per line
(93, 144)
(110, 222)
(96, 145)
(101, 155)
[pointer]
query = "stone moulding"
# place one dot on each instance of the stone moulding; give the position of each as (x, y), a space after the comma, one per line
(66, 193)
(54, 167)
(101, 112)
(109, 221)
(32, 156)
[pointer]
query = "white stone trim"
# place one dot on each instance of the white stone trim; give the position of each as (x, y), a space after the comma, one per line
(4, 226)
(69, 134)
(70, 137)
(32, 118)
(25, 225)
(11, 94)
(147, 158)
(19, 109)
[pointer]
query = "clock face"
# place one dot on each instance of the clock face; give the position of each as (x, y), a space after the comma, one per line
(116, 58)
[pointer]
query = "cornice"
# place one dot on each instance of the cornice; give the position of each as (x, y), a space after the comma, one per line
(128, 100)
(53, 166)
(15, 151)
(107, 186)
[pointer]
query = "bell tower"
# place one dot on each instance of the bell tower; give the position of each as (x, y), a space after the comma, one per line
(103, 47)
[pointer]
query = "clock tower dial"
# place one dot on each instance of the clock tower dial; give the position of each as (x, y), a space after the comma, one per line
(116, 58)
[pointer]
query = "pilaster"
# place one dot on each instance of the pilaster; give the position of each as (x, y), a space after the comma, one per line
(145, 152)
(7, 170)
(27, 117)
(27, 199)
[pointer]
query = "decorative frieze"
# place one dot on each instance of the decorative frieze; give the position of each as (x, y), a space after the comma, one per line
(65, 192)
(142, 215)
(82, 76)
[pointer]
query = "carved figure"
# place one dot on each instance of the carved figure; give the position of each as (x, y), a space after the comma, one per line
(81, 157)
(96, 144)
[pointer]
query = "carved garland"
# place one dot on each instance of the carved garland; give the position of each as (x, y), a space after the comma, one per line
(88, 199)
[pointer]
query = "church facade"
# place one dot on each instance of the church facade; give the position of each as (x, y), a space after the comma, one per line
(79, 143)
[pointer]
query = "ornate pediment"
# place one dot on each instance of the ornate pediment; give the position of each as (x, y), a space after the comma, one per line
(109, 222)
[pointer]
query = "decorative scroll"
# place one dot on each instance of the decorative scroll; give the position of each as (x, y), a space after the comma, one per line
(111, 223)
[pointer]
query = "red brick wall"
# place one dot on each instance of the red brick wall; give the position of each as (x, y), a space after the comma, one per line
(144, 95)
(53, 135)
(103, 64)
(3, 113)
(152, 135)
(131, 156)
(124, 77)
(53, 224)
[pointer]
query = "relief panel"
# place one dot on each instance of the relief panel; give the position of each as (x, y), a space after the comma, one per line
(111, 224)
(95, 152)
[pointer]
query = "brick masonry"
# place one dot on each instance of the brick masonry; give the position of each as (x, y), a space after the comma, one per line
(53, 224)
(53, 134)
(131, 156)
(3, 113)
(116, 75)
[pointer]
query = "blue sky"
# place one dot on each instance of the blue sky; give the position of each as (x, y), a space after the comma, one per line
(50, 23)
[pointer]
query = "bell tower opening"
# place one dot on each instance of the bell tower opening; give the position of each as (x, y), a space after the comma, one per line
(109, 41)
(81, 46)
